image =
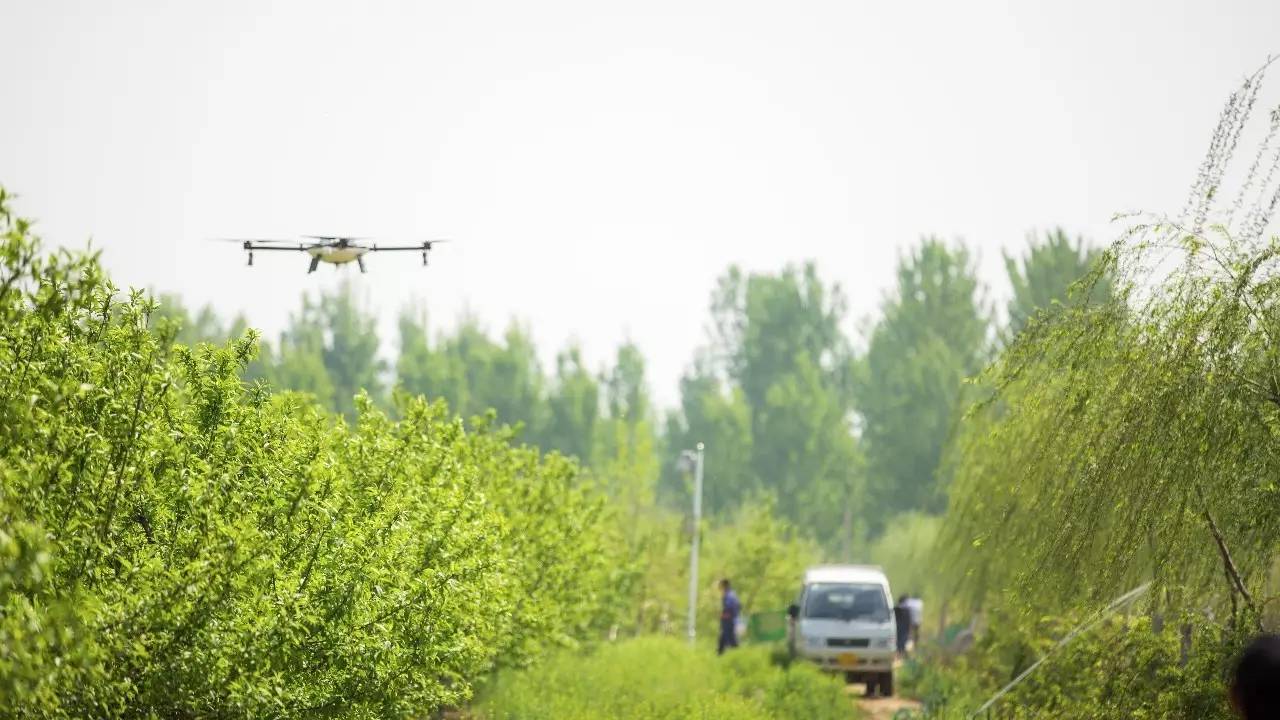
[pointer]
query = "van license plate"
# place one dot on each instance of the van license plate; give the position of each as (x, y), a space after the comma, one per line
(847, 660)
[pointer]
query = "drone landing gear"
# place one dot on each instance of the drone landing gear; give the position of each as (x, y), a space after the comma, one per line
(250, 258)
(360, 262)
(315, 263)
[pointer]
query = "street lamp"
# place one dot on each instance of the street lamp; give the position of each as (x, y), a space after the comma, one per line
(687, 458)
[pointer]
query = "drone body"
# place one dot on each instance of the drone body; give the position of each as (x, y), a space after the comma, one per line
(333, 249)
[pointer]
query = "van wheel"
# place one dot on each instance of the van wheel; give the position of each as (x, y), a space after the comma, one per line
(886, 684)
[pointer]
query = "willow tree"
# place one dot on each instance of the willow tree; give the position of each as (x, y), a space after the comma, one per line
(1136, 440)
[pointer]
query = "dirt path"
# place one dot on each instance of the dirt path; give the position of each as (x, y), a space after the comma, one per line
(879, 708)
(884, 708)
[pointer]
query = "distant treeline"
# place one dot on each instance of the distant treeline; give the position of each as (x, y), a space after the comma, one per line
(840, 439)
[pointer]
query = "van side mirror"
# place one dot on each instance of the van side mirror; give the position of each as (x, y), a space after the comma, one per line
(793, 611)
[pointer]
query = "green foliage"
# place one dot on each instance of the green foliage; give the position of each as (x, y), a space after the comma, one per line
(1042, 279)
(329, 351)
(174, 543)
(718, 416)
(626, 464)
(202, 326)
(782, 344)
(472, 372)
(762, 554)
(1128, 438)
(1120, 439)
(1118, 670)
(907, 552)
(1132, 440)
(766, 325)
(771, 400)
(649, 543)
(656, 579)
(652, 678)
(933, 334)
(626, 394)
(573, 407)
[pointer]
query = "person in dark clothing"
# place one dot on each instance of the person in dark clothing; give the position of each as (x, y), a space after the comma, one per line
(902, 619)
(1255, 683)
(729, 609)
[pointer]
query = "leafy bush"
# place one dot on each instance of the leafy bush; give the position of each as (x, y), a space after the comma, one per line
(764, 555)
(653, 678)
(174, 543)
(1120, 669)
(907, 552)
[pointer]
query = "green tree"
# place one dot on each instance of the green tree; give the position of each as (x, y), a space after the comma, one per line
(330, 350)
(932, 335)
(418, 370)
(573, 407)
(203, 326)
(717, 415)
(625, 464)
(300, 368)
(625, 456)
(766, 326)
(1133, 441)
(626, 448)
(472, 372)
(812, 465)
(1043, 277)
(771, 398)
(907, 552)
(626, 395)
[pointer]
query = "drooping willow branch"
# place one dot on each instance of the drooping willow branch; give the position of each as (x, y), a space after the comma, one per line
(1228, 565)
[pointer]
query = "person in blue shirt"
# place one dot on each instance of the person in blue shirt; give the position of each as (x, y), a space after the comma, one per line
(729, 609)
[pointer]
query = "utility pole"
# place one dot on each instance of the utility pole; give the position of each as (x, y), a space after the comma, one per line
(696, 458)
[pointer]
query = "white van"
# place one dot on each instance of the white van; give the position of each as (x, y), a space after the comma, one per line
(843, 621)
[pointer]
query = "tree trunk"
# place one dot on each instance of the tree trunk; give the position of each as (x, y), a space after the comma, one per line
(1185, 653)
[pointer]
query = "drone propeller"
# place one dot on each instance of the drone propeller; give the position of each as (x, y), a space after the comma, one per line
(339, 238)
(272, 241)
(427, 245)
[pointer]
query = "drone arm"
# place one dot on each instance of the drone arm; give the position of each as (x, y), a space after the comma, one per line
(290, 248)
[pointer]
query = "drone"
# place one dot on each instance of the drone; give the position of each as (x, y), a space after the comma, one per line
(333, 249)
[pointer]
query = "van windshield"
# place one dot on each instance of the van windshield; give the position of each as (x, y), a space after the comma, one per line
(846, 601)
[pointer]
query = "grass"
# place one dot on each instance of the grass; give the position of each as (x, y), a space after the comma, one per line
(657, 678)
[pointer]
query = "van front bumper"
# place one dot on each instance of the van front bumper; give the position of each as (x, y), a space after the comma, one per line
(850, 660)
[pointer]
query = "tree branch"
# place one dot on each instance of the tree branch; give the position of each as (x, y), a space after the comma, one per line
(1228, 565)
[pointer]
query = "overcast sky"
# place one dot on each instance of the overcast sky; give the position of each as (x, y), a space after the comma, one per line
(599, 164)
